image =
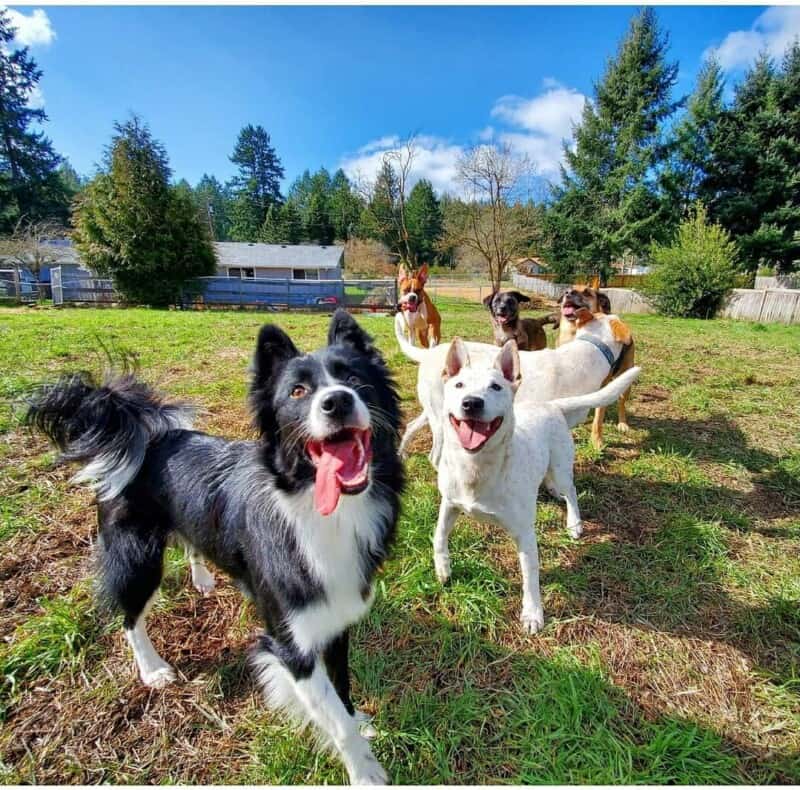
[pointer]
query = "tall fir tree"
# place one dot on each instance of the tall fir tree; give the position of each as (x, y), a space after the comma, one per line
(257, 184)
(424, 221)
(692, 142)
(131, 225)
(753, 186)
(212, 200)
(345, 206)
(30, 186)
(608, 203)
(318, 226)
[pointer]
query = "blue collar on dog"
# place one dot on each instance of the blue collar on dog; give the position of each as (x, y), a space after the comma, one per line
(601, 346)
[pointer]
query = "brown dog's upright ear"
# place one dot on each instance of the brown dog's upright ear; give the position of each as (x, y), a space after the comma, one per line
(402, 274)
(507, 363)
(487, 300)
(604, 303)
(457, 358)
(422, 274)
(520, 297)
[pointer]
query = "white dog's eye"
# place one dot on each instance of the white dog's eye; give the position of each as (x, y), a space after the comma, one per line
(495, 386)
(459, 384)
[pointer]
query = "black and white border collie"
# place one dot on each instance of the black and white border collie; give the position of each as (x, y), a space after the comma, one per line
(301, 519)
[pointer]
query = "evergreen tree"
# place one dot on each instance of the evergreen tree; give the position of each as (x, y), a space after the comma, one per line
(753, 187)
(424, 221)
(291, 223)
(345, 206)
(693, 138)
(30, 186)
(257, 184)
(318, 227)
(131, 225)
(270, 232)
(608, 202)
(300, 192)
(212, 202)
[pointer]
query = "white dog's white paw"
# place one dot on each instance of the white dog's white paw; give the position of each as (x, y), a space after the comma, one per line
(623, 427)
(442, 564)
(202, 579)
(365, 726)
(575, 530)
(159, 677)
(532, 620)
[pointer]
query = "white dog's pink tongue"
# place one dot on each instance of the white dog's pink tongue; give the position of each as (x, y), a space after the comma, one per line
(473, 433)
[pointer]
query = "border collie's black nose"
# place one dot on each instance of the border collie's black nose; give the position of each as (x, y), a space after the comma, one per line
(472, 404)
(338, 403)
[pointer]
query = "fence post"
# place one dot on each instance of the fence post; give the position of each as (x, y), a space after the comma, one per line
(17, 286)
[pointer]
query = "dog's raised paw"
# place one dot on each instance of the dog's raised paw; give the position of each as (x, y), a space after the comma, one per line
(575, 530)
(532, 622)
(370, 772)
(364, 721)
(159, 677)
(202, 579)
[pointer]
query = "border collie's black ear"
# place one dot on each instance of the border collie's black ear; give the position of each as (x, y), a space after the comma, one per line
(520, 297)
(604, 303)
(487, 300)
(344, 330)
(273, 348)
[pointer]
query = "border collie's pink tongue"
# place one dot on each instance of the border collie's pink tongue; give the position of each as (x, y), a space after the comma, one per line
(340, 465)
(473, 433)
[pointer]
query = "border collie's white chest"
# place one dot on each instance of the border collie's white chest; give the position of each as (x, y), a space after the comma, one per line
(330, 545)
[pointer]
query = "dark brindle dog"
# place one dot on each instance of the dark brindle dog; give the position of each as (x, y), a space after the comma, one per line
(507, 325)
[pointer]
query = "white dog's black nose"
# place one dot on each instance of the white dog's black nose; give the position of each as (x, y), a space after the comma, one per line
(338, 403)
(472, 405)
(412, 297)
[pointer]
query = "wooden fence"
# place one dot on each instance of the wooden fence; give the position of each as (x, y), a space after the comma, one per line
(747, 304)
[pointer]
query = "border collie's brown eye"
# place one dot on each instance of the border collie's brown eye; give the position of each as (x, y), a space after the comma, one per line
(298, 391)
(353, 381)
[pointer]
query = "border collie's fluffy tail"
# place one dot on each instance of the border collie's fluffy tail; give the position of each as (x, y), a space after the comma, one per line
(412, 352)
(603, 397)
(109, 425)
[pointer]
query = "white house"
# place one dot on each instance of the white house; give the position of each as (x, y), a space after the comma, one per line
(281, 261)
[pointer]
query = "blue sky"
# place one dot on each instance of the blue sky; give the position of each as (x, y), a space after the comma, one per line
(334, 86)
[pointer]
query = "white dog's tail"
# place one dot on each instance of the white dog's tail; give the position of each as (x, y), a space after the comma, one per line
(603, 397)
(412, 352)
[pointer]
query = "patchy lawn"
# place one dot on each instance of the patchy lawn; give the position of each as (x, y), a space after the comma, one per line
(671, 649)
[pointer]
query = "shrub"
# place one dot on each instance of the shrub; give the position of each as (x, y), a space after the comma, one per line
(692, 275)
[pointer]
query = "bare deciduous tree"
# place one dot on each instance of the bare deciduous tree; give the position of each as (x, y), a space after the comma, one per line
(27, 247)
(493, 219)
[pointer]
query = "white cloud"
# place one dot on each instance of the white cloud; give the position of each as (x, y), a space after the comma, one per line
(541, 124)
(36, 98)
(435, 159)
(533, 126)
(773, 31)
(34, 30)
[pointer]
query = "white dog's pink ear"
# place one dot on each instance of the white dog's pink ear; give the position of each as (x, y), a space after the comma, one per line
(457, 358)
(507, 363)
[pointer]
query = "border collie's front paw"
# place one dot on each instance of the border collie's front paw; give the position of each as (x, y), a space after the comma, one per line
(370, 772)
(159, 677)
(533, 620)
(202, 579)
(442, 565)
(575, 530)
(364, 721)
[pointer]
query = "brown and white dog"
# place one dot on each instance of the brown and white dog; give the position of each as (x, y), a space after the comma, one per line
(422, 321)
(579, 304)
(507, 325)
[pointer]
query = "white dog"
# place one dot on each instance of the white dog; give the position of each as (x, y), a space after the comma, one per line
(575, 368)
(497, 452)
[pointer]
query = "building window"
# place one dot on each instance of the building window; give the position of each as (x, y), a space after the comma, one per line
(305, 274)
(239, 273)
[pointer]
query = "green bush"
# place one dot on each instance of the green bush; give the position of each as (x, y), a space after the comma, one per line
(692, 275)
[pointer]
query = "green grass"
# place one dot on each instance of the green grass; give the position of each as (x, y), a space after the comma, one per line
(672, 642)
